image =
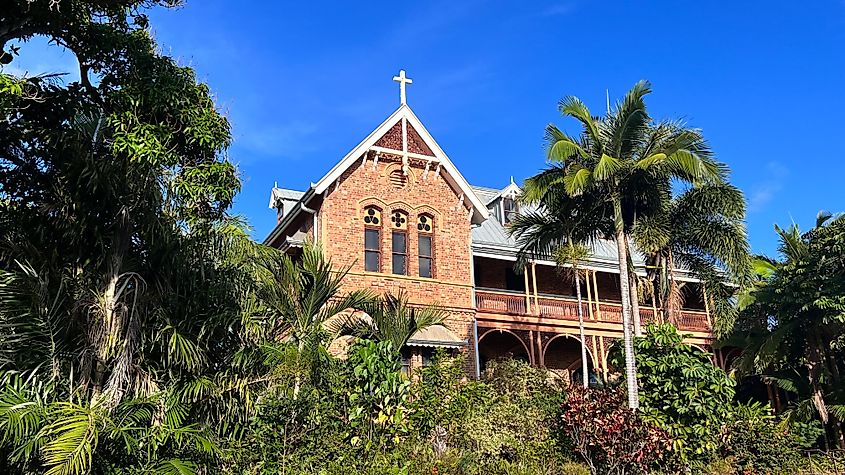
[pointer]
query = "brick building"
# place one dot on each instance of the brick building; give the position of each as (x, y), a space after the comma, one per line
(398, 211)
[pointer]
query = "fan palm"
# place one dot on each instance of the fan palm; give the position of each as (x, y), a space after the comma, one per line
(628, 164)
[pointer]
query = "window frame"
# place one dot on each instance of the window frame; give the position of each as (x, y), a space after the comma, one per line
(394, 254)
(377, 251)
(509, 214)
(430, 257)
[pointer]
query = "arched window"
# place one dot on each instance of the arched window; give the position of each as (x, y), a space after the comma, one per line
(372, 239)
(425, 241)
(399, 242)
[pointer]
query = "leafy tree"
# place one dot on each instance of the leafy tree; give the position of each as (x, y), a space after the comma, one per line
(129, 323)
(792, 320)
(624, 165)
(682, 391)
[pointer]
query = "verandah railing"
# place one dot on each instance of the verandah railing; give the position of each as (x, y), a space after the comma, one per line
(564, 308)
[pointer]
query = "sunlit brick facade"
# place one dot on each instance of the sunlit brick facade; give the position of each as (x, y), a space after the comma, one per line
(399, 214)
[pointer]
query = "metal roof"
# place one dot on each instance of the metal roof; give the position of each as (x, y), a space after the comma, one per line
(436, 335)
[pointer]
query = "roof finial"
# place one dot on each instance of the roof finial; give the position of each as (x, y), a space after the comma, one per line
(402, 80)
(512, 182)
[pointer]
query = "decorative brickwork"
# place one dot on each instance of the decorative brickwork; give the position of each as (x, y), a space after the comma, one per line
(341, 221)
(393, 140)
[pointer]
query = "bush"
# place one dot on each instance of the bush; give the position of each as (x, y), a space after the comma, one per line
(517, 423)
(755, 443)
(501, 424)
(443, 397)
(611, 438)
(682, 392)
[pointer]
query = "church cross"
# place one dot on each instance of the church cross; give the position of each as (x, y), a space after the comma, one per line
(402, 80)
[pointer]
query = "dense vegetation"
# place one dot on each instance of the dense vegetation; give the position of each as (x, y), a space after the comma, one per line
(142, 330)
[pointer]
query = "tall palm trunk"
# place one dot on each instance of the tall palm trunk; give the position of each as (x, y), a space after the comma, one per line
(624, 284)
(106, 332)
(634, 291)
(585, 376)
(814, 369)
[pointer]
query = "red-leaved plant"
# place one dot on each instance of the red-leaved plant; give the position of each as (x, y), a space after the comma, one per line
(611, 438)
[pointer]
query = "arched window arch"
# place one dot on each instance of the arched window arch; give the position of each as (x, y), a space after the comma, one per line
(372, 239)
(399, 242)
(425, 244)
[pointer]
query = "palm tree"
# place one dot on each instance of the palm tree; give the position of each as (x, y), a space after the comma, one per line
(628, 164)
(563, 227)
(701, 230)
(392, 319)
(301, 295)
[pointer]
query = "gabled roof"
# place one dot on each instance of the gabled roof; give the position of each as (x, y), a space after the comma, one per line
(448, 169)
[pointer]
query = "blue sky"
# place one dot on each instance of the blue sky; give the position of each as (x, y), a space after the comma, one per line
(304, 82)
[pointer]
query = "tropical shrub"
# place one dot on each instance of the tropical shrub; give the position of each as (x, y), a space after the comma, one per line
(756, 443)
(611, 438)
(792, 323)
(443, 397)
(519, 420)
(682, 392)
(504, 423)
(377, 394)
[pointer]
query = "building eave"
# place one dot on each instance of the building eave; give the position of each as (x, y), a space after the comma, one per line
(290, 217)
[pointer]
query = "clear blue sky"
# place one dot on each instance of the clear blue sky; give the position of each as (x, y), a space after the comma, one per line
(303, 82)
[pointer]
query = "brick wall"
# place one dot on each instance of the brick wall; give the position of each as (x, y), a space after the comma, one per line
(341, 232)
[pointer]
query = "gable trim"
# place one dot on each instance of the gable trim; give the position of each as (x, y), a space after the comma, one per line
(452, 174)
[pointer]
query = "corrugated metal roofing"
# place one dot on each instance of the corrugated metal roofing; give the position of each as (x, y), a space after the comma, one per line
(436, 335)
(486, 195)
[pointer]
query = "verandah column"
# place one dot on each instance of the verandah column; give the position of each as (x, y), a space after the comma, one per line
(596, 287)
(603, 358)
(527, 290)
(534, 279)
(589, 296)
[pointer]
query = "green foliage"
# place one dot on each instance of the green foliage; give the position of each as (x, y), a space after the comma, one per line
(361, 415)
(518, 421)
(131, 335)
(792, 322)
(611, 438)
(755, 443)
(378, 394)
(682, 391)
(390, 318)
(443, 397)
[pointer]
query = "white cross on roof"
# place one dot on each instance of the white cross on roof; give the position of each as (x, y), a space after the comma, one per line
(402, 80)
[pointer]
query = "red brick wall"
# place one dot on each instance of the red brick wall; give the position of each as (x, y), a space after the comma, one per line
(341, 232)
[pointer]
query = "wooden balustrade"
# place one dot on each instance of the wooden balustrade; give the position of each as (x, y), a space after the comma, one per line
(513, 304)
(694, 321)
(567, 309)
(559, 308)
